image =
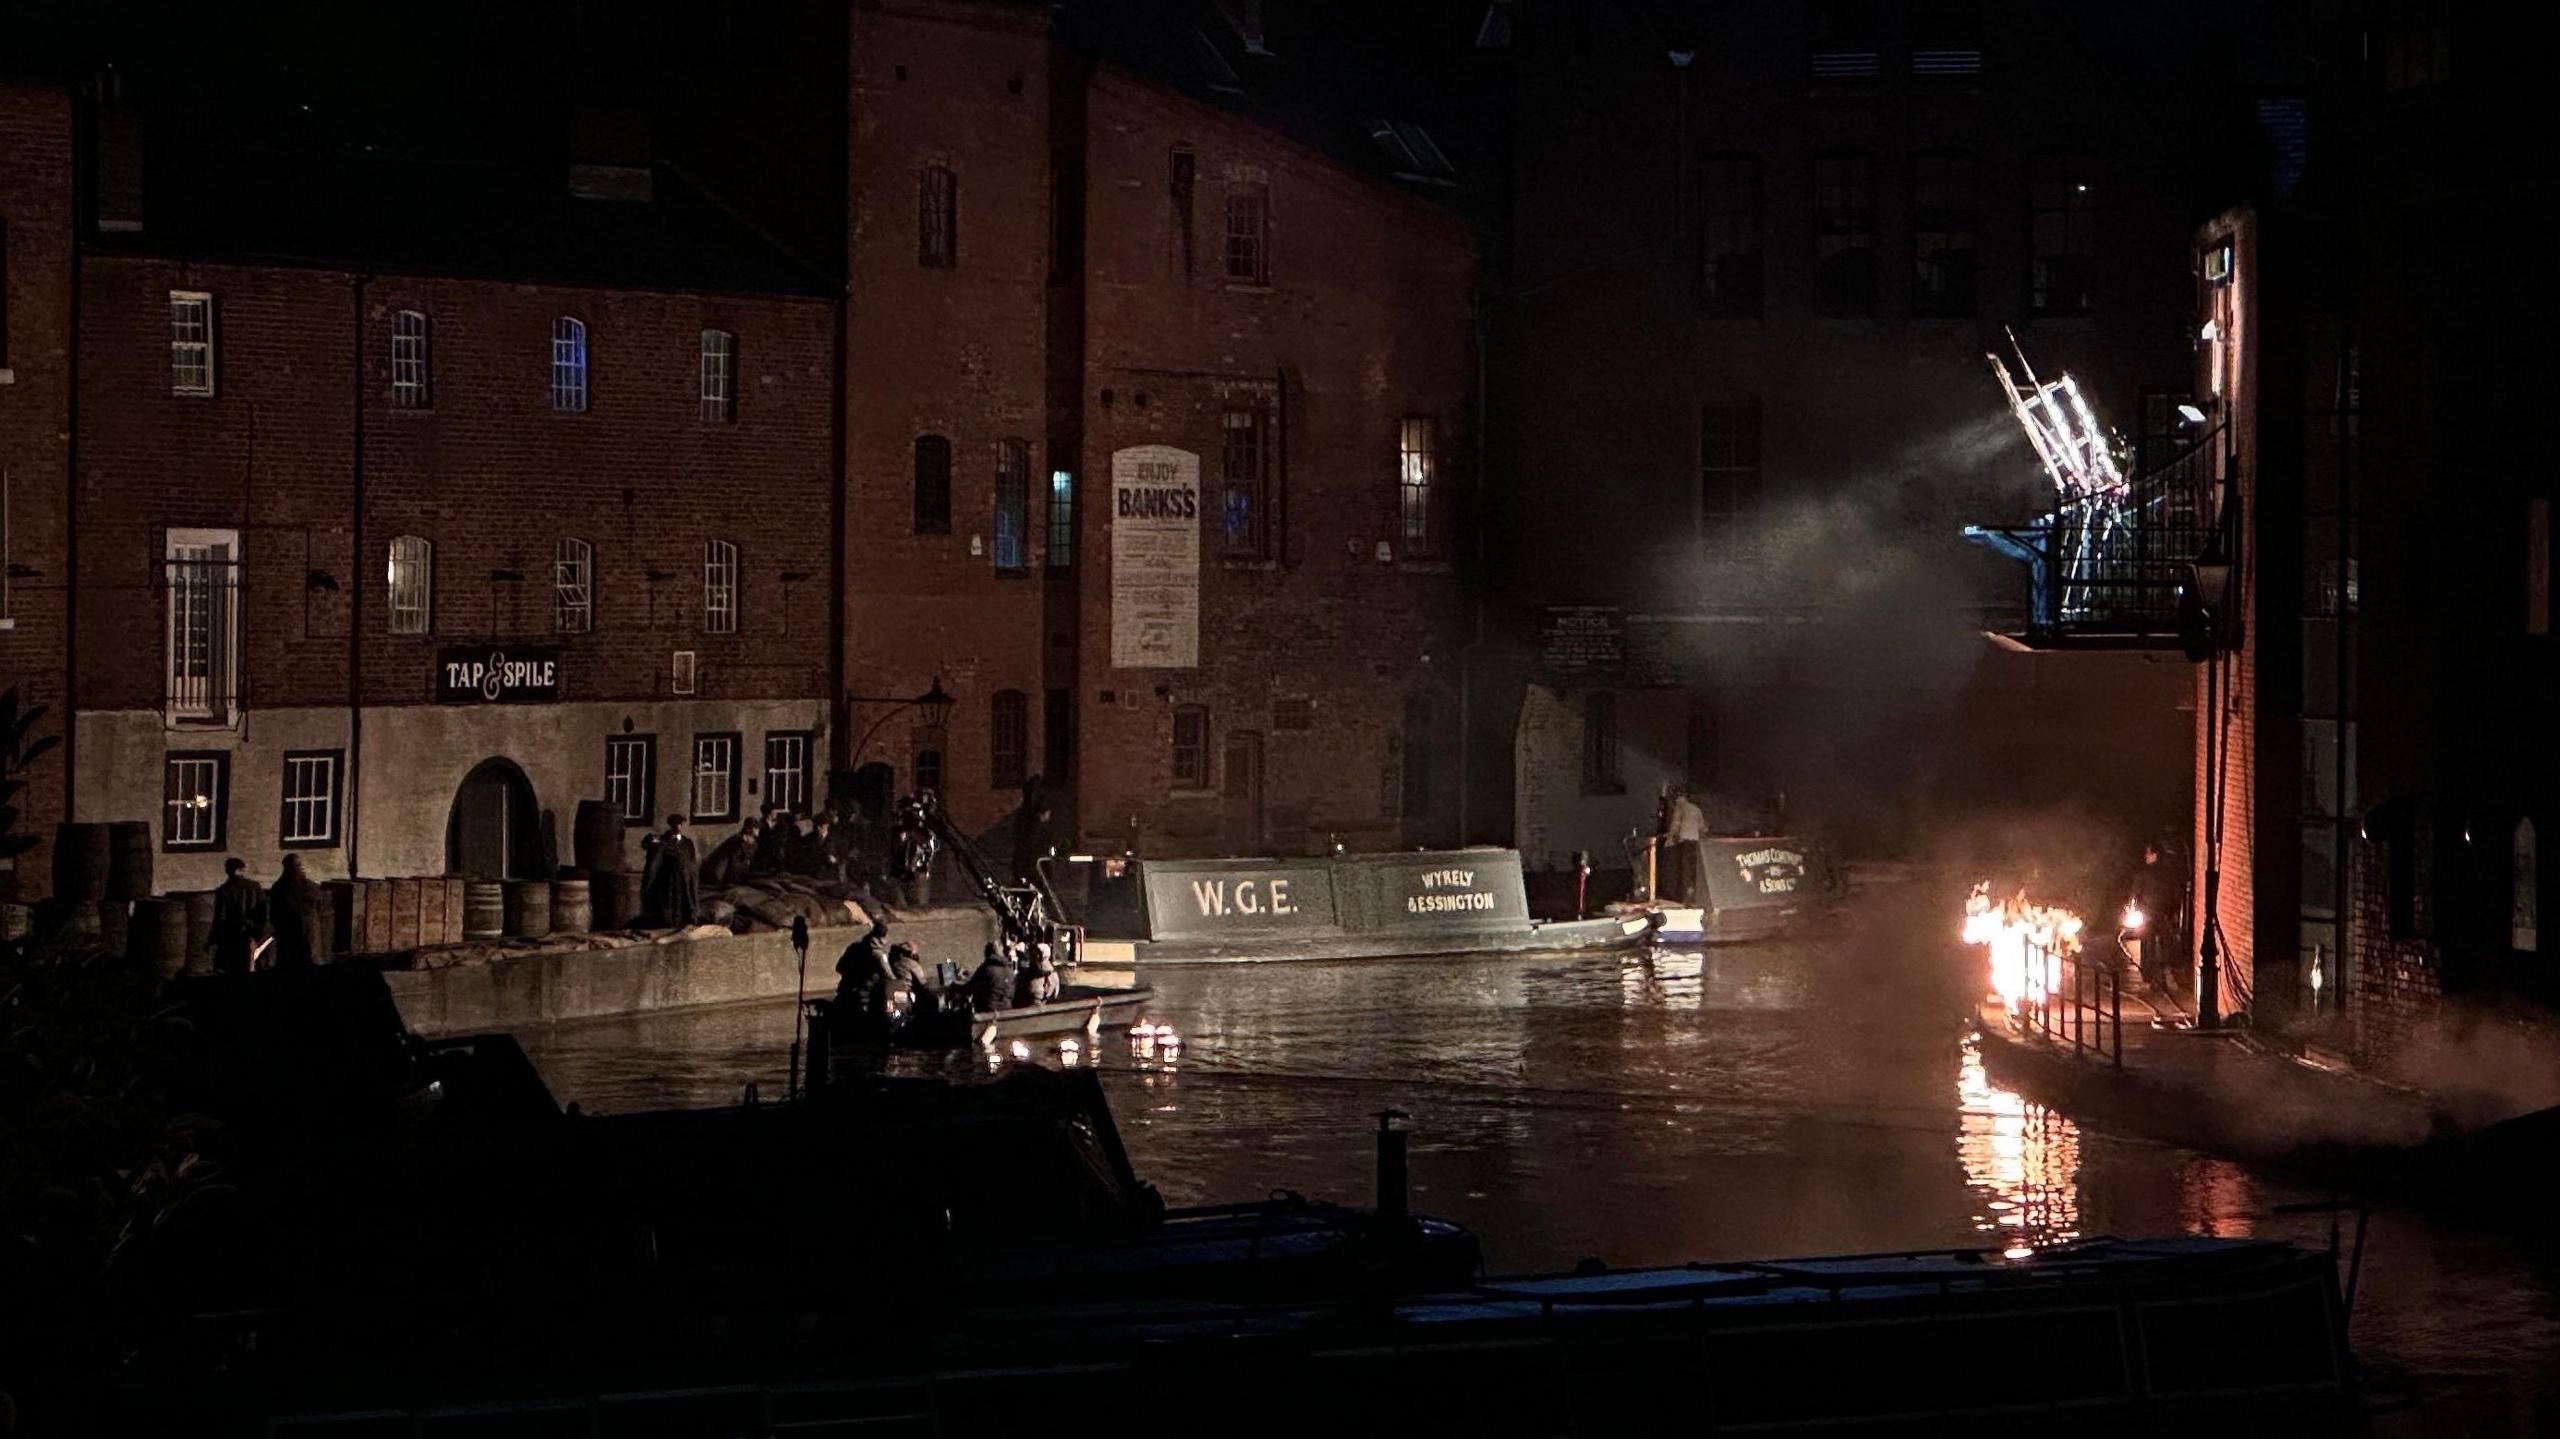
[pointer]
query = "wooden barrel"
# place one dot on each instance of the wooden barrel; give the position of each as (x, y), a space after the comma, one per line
(129, 849)
(572, 911)
(528, 907)
(484, 909)
(78, 917)
(200, 932)
(613, 897)
(596, 842)
(158, 935)
(115, 924)
(80, 861)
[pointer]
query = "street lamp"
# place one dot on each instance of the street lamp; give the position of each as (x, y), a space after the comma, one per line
(2209, 637)
(934, 702)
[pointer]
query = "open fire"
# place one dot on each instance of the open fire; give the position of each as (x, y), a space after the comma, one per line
(2026, 942)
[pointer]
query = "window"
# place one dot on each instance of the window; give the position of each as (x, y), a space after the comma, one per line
(1844, 235)
(569, 366)
(1013, 505)
(786, 769)
(1249, 235)
(719, 587)
(409, 361)
(1943, 213)
(573, 587)
(928, 766)
(1730, 207)
(194, 789)
(1600, 744)
(203, 578)
(2062, 235)
(715, 776)
(311, 797)
(190, 342)
(681, 672)
(1847, 42)
(719, 376)
(1243, 473)
(1946, 41)
(1191, 747)
(2415, 46)
(1728, 473)
(1062, 520)
(1182, 169)
(412, 574)
(937, 218)
(1418, 463)
(631, 776)
(933, 485)
(1009, 739)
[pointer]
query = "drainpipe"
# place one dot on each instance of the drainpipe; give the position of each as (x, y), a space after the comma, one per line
(352, 802)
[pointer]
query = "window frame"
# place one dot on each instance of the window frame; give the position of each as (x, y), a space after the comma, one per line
(733, 741)
(720, 582)
(1847, 224)
(1603, 771)
(1956, 214)
(929, 745)
(716, 376)
(1247, 235)
(571, 392)
(332, 801)
(188, 355)
(1418, 486)
(417, 555)
(1193, 776)
(573, 602)
(1060, 551)
(938, 217)
(2076, 217)
(639, 808)
(1742, 226)
(799, 782)
(1011, 549)
(1743, 471)
(1245, 470)
(412, 385)
(1008, 739)
(218, 765)
(221, 685)
(932, 477)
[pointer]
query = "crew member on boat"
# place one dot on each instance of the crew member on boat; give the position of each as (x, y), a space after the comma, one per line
(991, 988)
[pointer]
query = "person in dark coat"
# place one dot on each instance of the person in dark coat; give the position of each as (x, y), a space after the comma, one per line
(814, 855)
(684, 873)
(1031, 841)
(734, 858)
(991, 988)
(239, 919)
(773, 845)
(300, 914)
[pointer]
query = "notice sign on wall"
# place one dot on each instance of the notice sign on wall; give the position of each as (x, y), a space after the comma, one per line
(1155, 558)
(497, 674)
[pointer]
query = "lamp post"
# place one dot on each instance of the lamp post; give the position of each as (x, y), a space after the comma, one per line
(934, 702)
(2209, 640)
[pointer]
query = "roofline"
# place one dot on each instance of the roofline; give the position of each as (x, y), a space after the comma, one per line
(144, 253)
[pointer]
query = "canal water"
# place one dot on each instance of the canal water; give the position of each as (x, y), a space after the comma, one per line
(1816, 1095)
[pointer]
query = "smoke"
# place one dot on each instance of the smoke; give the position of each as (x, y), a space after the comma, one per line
(2480, 1065)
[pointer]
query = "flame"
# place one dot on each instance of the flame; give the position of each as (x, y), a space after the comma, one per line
(2134, 918)
(2027, 943)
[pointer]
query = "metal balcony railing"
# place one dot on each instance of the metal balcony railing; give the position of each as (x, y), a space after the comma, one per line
(2115, 564)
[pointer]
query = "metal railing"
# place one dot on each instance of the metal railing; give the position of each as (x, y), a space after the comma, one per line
(2079, 1003)
(2119, 563)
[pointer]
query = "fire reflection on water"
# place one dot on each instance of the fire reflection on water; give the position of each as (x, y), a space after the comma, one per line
(2020, 1157)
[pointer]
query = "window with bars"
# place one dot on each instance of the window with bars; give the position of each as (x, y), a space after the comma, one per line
(1944, 213)
(1008, 739)
(1728, 473)
(1418, 466)
(2062, 235)
(311, 787)
(1013, 505)
(412, 580)
(933, 485)
(195, 790)
(1729, 209)
(719, 376)
(573, 587)
(1191, 747)
(190, 342)
(409, 361)
(1600, 744)
(937, 218)
(1249, 235)
(715, 776)
(719, 587)
(569, 365)
(1844, 234)
(631, 776)
(1061, 552)
(201, 574)
(1244, 483)
(786, 769)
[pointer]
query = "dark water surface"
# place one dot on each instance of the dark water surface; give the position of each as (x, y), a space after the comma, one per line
(1809, 1096)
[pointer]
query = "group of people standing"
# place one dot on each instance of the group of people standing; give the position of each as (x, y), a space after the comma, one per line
(822, 846)
(281, 926)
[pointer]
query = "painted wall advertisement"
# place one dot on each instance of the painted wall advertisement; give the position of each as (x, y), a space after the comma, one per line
(1155, 558)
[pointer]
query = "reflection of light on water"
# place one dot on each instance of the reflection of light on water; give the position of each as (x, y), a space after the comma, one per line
(1663, 977)
(2023, 1158)
(1154, 1046)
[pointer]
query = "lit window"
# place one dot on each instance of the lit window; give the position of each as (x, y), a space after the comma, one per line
(715, 776)
(569, 366)
(933, 485)
(1009, 739)
(1191, 747)
(1243, 469)
(194, 788)
(1013, 504)
(190, 342)
(937, 218)
(631, 776)
(409, 360)
(786, 770)
(202, 574)
(573, 587)
(1062, 519)
(1600, 744)
(719, 376)
(412, 575)
(311, 797)
(1418, 463)
(719, 587)
(1249, 235)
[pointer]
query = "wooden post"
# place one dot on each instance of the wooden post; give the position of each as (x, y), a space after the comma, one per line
(1652, 867)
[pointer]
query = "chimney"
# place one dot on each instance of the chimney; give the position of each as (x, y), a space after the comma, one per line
(609, 153)
(119, 158)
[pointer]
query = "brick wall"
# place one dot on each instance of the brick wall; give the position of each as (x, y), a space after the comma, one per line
(2229, 734)
(35, 219)
(2393, 985)
(1365, 320)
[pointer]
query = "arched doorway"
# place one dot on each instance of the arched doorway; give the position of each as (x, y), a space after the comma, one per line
(495, 831)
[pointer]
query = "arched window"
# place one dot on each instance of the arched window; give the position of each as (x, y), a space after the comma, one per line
(1009, 739)
(569, 365)
(573, 587)
(409, 360)
(412, 577)
(719, 587)
(1013, 505)
(933, 485)
(2524, 913)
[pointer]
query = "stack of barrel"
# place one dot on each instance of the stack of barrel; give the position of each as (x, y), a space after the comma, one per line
(102, 888)
(612, 891)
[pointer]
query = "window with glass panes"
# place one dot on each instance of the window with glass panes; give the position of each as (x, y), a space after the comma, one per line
(786, 770)
(311, 797)
(409, 360)
(937, 218)
(1061, 552)
(631, 776)
(2062, 234)
(1730, 211)
(1243, 471)
(1013, 505)
(201, 573)
(1418, 465)
(1943, 216)
(569, 365)
(1191, 747)
(719, 587)
(1844, 234)
(1249, 235)
(1728, 473)
(194, 788)
(1009, 739)
(719, 376)
(715, 776)
(573, 587)
(190, 342)
(412, 577)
